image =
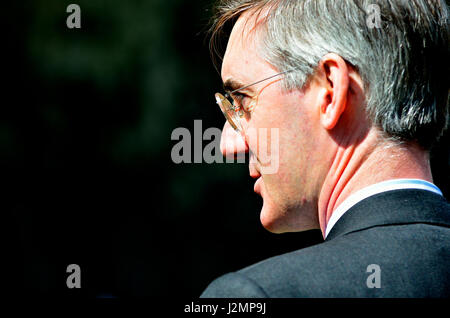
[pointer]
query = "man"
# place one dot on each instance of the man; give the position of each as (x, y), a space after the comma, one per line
(358, 91)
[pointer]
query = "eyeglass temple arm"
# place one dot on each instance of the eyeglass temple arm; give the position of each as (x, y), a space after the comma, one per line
(236, 90)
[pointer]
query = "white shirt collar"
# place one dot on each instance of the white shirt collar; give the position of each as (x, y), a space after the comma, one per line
(373, 189)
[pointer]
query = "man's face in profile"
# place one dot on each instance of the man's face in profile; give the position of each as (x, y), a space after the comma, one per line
(290, 194)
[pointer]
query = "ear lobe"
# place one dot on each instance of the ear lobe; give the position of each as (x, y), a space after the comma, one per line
(336, 84)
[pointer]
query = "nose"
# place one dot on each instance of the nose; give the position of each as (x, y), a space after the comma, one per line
(232, 143)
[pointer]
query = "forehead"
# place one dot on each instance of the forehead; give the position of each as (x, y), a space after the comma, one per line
(242, 61)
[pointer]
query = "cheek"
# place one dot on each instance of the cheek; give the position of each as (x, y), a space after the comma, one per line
(263, 135)
(288, 179)
(284, 125)
(295, 149)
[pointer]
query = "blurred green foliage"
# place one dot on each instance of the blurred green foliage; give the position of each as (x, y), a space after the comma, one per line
(120, 42)
(147, 64)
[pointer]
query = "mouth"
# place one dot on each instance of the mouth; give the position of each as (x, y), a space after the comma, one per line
(255, 174)
(257, 186)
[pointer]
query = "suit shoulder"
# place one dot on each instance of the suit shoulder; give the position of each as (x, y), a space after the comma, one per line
(302, 273)
(412, 258)
(277, 274)
(234, 285)
(339, 267)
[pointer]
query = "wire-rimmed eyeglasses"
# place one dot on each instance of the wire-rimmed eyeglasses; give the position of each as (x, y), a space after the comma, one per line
(234, 110)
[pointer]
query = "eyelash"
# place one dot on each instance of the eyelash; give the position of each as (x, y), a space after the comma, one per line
(238, 97)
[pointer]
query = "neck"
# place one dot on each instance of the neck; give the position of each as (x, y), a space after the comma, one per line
(359, 165)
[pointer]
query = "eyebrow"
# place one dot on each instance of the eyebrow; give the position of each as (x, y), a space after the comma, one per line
(232, 85)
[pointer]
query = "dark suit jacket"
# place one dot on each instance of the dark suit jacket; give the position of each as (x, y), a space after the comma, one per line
(405, 232)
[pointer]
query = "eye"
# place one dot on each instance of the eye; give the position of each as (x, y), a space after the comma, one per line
(240, 100)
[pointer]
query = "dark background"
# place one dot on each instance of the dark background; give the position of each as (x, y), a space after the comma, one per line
(85, 126)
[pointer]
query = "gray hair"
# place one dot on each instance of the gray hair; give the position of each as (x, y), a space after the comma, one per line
(404, 62)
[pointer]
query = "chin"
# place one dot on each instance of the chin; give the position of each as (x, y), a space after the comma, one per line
(277, 220)
(272, 220)
(271, 226)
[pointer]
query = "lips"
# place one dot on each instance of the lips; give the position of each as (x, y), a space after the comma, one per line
(257, 187)
(255, 174)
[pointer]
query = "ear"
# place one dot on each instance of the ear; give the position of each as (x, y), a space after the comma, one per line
(334, 80)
